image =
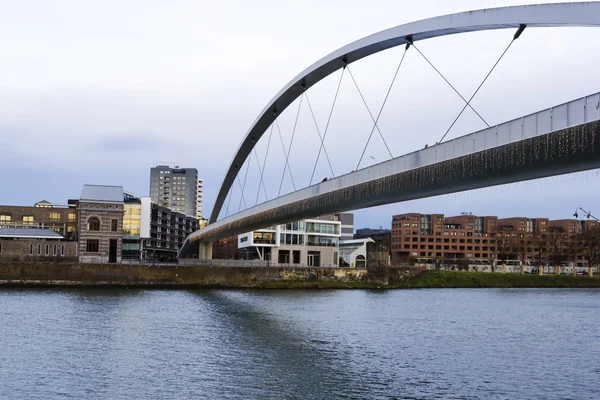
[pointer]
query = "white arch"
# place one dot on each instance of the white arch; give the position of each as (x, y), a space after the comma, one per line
(539, 15)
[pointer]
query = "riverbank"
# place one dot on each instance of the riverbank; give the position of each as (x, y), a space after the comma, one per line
(89, 275)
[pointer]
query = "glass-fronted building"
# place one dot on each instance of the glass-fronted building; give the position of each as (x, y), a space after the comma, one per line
(311, 242)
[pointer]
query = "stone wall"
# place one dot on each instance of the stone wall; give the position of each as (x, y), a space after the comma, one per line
(124, 275)
(37, 250)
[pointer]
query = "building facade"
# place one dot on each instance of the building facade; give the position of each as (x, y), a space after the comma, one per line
(59, 218)
(165, 231)
(311, 242)
(35, 245)
(353, 253)
(100, 218)
(436, 237)
(177, 189)
(382, 237)
(226, 249)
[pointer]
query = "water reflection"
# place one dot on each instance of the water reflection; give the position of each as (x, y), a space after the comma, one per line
(147, 344)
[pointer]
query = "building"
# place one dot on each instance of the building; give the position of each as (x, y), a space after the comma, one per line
(199, 198)
(225, 249)
(35, 245)
(347, 224)
(312, 242)
(59, 218)
(353, 253)
(382, 237)
(100, 219)
(177, 189)
(132, 227)
(436, 237)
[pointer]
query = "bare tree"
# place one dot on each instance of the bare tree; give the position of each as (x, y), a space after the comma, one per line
(558, 246)
(587, 244)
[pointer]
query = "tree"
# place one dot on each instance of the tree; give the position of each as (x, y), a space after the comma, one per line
(558, 246)
(504, 243)
(588, 246)
(540, 243)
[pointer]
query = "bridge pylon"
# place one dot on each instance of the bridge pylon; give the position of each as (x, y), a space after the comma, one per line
(205, 251)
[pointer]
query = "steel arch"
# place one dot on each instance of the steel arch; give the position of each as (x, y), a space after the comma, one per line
(539, 15)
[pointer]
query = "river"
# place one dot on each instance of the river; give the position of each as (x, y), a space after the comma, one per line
(237, 344)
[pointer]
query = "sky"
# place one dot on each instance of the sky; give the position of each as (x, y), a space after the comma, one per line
(99, 92)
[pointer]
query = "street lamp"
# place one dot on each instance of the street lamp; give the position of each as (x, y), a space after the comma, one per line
(588, 214)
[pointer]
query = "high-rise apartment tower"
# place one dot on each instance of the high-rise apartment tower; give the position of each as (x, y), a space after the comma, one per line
(176, 188)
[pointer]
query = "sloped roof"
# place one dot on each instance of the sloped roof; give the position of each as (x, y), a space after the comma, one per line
(31, 233)
(109, 194)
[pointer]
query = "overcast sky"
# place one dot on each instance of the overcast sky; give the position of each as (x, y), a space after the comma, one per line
(99, 92)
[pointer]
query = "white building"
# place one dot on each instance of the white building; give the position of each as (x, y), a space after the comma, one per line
(354, 252)
(312, 242)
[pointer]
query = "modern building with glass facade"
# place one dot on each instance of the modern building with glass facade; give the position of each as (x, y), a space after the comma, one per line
(177, 189)
(312, 242)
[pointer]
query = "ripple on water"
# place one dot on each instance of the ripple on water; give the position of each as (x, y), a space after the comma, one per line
(426, 344)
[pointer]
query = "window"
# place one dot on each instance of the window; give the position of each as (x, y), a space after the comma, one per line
(62, 250)
(54, 216)
(27, 219)
(72, 217)
(5, 217)
(0, 248)
(70, 228)
(30, 249)
(114, 225)
(92, 245)
(47, 249)
(39, 249)
(54, 250)
(93, 224)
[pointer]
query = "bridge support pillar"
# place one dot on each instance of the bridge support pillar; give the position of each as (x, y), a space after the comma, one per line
(205, 251)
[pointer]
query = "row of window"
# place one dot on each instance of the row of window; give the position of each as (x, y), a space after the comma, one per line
(439, 247)
(440, 240)
(53, 216)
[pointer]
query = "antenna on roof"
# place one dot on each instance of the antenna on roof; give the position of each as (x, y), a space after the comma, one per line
(169, 163)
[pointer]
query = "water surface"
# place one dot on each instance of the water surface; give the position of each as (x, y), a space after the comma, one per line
(419, 344)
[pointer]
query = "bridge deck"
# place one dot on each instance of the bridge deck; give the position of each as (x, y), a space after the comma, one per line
(579, 112)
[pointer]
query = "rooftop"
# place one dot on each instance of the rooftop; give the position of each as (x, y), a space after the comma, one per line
(109, 194)
(30, 233)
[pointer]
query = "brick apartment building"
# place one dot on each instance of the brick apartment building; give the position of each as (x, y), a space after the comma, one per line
(480, 239)
(225, 249)
(434, 236)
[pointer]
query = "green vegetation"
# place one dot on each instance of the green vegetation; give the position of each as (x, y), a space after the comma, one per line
(454, 279)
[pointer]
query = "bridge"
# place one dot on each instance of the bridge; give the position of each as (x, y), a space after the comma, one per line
(553, 141)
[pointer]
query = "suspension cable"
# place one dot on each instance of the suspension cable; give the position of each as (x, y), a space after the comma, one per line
(244, 186)
(264, 167)
(382, 106)
(287, 157)
(448, 82)
(515, 37)
(261, 170)
(285, 153)
(228, 201)
(369, 110)
(319, 133)
(327, 125)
